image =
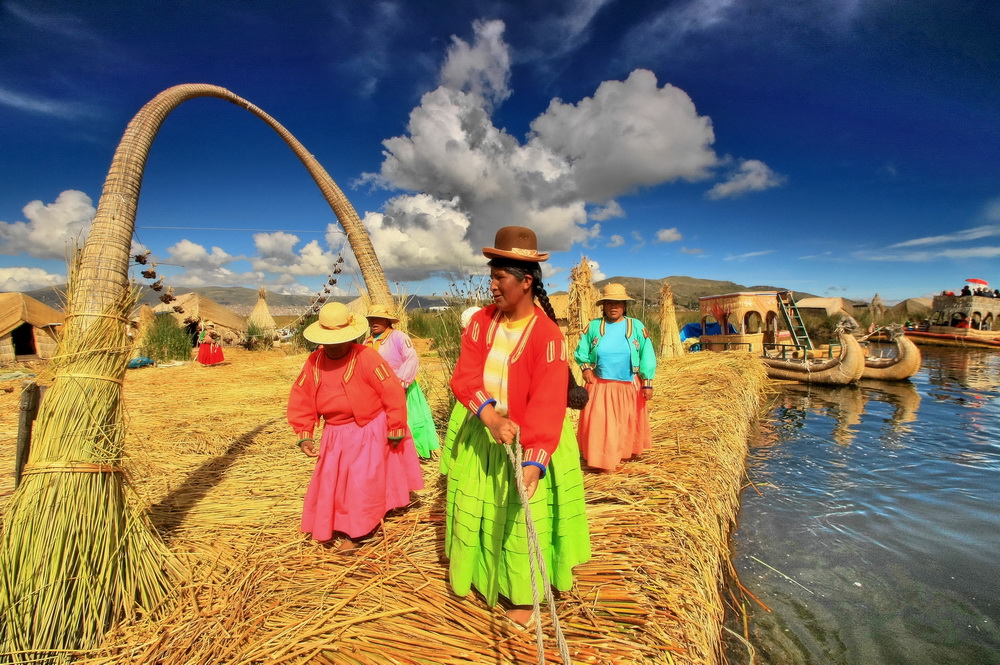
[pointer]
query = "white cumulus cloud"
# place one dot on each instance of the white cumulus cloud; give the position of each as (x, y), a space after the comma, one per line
(752, 175)
(194, 256)
(668, 235)
(595, 270)
(27, 279)
(609, 210)
(50, 229)
(456, 168)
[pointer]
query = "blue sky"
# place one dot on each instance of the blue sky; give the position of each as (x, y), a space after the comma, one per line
(835, 147)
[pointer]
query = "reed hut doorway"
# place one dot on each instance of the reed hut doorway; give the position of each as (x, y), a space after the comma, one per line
(23, 340)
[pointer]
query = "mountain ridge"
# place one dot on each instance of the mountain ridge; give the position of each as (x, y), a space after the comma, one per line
(241, 300)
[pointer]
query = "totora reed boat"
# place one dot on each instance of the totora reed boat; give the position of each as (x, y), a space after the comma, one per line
(899, 365)
(769, 324)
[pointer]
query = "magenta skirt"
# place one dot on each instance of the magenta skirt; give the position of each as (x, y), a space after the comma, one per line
(358, 478)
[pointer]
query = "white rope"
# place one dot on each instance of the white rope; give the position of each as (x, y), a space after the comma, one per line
(536, 559)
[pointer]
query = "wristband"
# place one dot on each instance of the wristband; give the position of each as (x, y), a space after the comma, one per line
(538, 464)
(301, 441)
(483, 406)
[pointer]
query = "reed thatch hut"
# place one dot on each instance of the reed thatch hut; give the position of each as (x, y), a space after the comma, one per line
(28, 327)
(231, 325)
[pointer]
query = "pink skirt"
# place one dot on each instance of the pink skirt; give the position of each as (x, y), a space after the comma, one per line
(614, 425)
(358, 478)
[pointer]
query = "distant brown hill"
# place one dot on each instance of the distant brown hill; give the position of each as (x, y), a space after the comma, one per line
(241, 300)
(686, 290)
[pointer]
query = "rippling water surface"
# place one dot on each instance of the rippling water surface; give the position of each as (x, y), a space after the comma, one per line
(872, 529)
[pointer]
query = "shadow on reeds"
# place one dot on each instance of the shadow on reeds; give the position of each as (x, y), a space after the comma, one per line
(169, 513)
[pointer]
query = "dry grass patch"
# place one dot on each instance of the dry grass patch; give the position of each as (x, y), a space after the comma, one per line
(211, 454)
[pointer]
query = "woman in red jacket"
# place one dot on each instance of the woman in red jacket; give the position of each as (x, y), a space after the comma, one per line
(512, 376)
(362, 470)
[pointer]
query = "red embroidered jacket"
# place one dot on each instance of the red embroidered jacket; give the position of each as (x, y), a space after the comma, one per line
(370, 384)
(539, 377)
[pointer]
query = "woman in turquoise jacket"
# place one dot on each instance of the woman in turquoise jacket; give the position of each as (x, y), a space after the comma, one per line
(618, 363)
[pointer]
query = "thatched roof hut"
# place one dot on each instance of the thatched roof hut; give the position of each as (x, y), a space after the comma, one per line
(912, 307)
(826, 306)
(28, 327)
(196, 306)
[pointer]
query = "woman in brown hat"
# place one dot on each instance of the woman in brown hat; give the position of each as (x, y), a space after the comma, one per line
(512, 375)
(397, 349)
(363, 467)
(618, 363)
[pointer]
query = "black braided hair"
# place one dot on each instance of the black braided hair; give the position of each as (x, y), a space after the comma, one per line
(577, 396)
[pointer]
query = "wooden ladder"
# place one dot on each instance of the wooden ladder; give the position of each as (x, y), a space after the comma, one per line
(793, 320)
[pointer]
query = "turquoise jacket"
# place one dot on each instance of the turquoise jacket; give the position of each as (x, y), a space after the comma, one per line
(641, 348)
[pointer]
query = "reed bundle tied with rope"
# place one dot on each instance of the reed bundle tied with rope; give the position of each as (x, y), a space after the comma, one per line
(228, 499)
(64, 598)
(74, 554)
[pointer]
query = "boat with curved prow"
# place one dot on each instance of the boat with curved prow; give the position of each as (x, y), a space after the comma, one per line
(903, 364)
(841, 369)
(750, 321)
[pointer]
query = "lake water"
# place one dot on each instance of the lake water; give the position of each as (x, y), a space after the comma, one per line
(872, 529)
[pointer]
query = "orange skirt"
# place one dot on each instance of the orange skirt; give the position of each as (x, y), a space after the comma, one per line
(614, 425)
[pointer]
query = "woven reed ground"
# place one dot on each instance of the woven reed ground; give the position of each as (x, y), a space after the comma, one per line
(212, 455)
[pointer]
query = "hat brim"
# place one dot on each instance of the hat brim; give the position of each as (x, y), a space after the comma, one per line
(624, 299)
(494, 253)
(392, 319)
(317, 334)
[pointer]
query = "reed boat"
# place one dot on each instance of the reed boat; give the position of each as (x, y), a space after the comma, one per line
(752, 322)
(841, 369)
(900, 365)
(962, 321)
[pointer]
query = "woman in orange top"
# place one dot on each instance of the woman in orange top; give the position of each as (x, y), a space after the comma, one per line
(363, 468)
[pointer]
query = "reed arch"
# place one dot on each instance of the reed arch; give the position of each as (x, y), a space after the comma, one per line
(74, 473)
(105, 256)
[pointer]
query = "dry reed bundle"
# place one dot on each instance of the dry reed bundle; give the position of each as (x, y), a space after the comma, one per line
(582, 298)
(670, 338)
(146, 317)
(74, 555)
(261, 315)
(225, 484)
(78, 428)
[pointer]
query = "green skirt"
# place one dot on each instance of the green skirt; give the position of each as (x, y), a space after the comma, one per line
(420, 421)
(459, 416)
(485, 534)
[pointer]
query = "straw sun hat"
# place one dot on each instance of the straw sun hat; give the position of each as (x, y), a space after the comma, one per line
(381, 312)
(336, 325)
(614, 292)
(516, 242)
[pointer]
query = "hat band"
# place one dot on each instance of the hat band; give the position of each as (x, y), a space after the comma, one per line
(341, 326)
(523, 252)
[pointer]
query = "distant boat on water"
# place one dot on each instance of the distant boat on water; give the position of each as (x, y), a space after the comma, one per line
(962, 321)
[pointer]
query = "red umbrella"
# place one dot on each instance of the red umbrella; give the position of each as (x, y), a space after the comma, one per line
(976, 280)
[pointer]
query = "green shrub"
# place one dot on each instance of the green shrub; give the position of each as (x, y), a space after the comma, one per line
(298, 343)
(257, 338)
(166, 340)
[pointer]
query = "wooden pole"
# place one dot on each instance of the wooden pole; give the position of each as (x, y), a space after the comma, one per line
(31, 395)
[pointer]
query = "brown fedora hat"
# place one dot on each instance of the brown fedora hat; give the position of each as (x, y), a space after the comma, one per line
(516, 242)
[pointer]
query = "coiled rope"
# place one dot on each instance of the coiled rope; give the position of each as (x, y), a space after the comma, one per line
(536, 559)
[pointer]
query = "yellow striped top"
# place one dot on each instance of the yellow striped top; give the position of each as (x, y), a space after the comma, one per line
(495, 370)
